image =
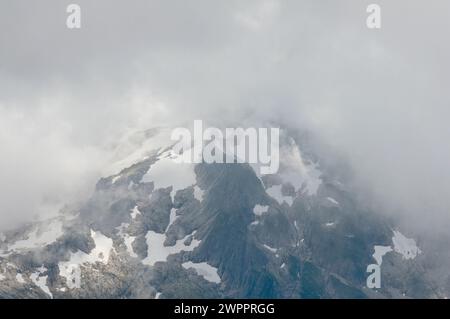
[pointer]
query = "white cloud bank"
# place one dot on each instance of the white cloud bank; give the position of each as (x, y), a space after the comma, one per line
(378, 96)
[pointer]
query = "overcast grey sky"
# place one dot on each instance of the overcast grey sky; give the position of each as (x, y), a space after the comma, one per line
(379, 96)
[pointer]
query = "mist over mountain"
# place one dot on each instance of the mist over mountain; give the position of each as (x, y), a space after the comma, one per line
(369, 107)
(161, 229)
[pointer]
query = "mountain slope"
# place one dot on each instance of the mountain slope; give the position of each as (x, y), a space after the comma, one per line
(158, 229)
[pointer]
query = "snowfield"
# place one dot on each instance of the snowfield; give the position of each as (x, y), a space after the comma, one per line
(205, 270)
(71, 269)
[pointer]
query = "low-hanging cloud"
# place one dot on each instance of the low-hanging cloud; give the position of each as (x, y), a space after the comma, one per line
(378, 96)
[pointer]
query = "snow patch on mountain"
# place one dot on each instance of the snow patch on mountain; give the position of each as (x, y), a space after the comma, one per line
(158, 252)
(172, 217)
(167, 172)
(115, 179)
(405, 246)
(274, 250)
(41, 281)
(135, 212)
(205, 270)
(71, 269)
(332, 201)
(258, 210)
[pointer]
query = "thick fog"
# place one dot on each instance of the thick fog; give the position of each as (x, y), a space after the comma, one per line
(378, 96)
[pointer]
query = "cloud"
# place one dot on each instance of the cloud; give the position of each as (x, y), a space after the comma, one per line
(378, 96)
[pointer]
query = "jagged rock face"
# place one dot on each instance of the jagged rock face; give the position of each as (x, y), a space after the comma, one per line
(213, 230)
